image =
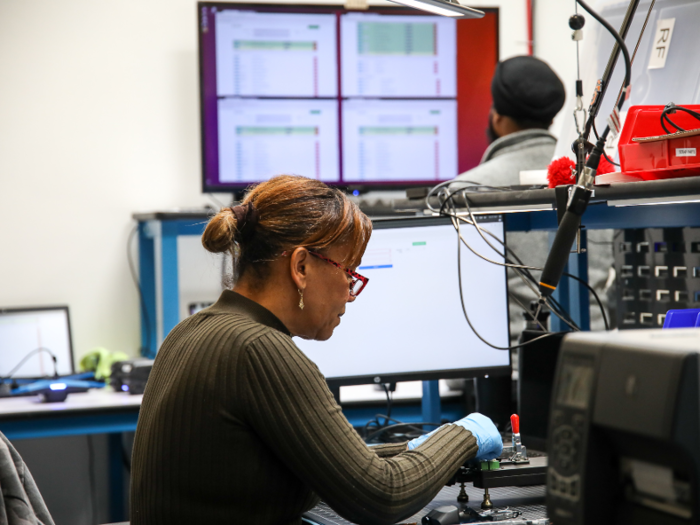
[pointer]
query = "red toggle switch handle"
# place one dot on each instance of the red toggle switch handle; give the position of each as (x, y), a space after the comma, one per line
(515, 423)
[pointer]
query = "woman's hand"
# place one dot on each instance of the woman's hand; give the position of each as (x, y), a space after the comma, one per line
(482, 428)
(487, 436)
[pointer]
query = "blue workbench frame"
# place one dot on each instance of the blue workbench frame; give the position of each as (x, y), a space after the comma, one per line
(42, 426)
(159, 276)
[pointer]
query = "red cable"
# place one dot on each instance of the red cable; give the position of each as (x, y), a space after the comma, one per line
(528, 8)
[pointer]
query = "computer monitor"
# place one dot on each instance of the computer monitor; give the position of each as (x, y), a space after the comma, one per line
(23, 331)
(384, 98)
(408, 322)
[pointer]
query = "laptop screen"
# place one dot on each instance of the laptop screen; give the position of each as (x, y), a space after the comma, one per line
(29, 337)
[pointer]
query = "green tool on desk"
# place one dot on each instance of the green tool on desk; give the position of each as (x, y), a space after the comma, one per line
(100, 361)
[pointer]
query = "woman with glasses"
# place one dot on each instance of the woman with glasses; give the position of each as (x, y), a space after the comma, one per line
(237, 425)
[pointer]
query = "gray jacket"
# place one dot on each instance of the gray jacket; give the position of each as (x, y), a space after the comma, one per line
(506, 157)
(21, 502)
(501, 165)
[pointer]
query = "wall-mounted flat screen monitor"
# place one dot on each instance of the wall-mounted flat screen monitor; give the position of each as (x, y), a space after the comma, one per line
(408, 324)
(29, 337)
(388, 97)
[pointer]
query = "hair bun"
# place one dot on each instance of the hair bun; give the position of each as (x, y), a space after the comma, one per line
(219, 233)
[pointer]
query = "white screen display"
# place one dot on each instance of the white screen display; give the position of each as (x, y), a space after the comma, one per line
(398, 56)
(21, 332)
(274, 137)
(274, 54)
(343, 97)
(409, 317)
(399, 140)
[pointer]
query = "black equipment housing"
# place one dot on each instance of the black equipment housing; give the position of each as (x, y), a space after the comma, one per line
(624, 431)
(131, 375)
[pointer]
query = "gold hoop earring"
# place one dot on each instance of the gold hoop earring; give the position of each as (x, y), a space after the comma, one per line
(301, 299)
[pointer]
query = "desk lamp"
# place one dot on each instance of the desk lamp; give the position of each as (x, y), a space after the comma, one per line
(443, 7)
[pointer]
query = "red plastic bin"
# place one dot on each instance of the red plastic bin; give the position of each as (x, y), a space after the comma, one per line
(659, 157)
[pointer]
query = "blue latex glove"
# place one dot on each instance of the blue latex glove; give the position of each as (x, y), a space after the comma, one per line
(482, 428)
(419, 440)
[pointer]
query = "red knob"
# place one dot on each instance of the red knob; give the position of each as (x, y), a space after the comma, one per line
(515, 423)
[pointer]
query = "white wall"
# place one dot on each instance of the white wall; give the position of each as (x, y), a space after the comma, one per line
(554, 45)
(98, 119)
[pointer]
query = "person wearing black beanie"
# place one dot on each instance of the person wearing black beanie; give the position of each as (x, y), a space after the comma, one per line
(527, 94)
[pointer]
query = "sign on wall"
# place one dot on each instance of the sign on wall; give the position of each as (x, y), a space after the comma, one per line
(662, 43)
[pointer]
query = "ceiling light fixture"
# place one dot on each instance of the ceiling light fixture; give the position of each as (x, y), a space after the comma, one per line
(443, 7)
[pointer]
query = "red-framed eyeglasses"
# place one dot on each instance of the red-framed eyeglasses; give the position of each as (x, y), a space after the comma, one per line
(357, 281)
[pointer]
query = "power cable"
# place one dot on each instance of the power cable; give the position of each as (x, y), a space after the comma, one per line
(595, 133)
(518, 268)
(526, 269)
(521, 270)
(623, 48)
(521, 273)
(636, 47)
(466, 315)
(396, 426)
(669, 110)
(26, 357)
(416, 426)
(389, 401)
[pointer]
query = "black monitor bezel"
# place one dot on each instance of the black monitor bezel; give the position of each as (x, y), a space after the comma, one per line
(320, 7)
(496, 371)
(24, 309)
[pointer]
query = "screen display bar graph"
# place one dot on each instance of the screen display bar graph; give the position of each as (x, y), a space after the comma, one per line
(399, 140)
(398, 56)
(275, 137)
(399, 38)
(276, 54)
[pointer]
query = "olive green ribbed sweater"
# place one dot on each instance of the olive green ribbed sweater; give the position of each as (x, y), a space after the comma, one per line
(237, 425)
